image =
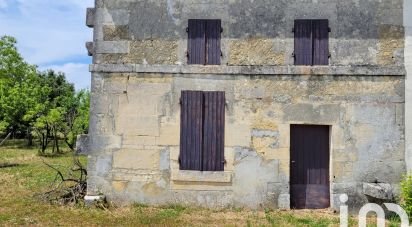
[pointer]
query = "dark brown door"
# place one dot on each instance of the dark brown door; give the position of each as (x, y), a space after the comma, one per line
(309, 167)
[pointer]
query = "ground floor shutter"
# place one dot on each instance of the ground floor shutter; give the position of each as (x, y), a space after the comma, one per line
(191, 130)
(213, 131)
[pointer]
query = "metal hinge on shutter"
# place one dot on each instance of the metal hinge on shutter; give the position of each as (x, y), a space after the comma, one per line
(187, 29)
(329, 29)
(293, 30)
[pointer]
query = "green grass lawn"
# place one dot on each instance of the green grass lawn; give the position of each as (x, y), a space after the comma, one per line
(23, 175)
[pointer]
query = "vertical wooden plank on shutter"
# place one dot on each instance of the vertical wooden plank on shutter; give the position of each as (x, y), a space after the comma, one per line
(197, 42)
(213, 36)
(191, 130)
(320, 33)
(303, 42)
(213, 131)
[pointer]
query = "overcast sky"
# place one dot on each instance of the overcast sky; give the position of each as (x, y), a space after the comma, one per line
(50, 34)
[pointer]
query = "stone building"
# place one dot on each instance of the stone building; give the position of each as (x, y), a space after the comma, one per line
(242, 103)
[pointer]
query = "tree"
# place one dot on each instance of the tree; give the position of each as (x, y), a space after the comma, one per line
(43, 104)
(76, 117)
(18, 87)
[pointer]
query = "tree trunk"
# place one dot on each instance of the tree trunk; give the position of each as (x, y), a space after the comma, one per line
(29, 137)
(8, 135)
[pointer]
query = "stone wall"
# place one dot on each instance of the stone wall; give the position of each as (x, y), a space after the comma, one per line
(408, 83)
(135, 125)
(139, 69)
(254, 32)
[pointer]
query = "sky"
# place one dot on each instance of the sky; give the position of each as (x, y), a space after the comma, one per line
(51, 34)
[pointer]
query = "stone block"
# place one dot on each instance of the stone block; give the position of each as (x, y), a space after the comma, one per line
(119, 186)
(342, 171)
(280, 154)
(284, 167)
(284, 135)
(199, 176)
(104, 142)
(338, 137)
(378, 190)
(113, 68)
(112, 17)
(90, 17)
(136, 159)
(237, 135)
(174, 153)
(103, 165)
(164, 160)
(90, 48)
(112, 47)
(230, 159)
(169, 135)
(82, 144)
(256, 51)
(264, 145)
(138, 141)
(137, 105)
(146, 52)
(115, 85)
(309, 113)
(138, 126)
(284, 201)
(344, 155)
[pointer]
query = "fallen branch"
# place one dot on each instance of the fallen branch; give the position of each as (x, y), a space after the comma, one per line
(68, 188)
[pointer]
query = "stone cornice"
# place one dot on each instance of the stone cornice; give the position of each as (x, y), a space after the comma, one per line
(252, 70)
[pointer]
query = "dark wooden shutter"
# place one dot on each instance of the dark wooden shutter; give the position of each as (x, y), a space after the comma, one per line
(191, 130)
(197, 42)
(320, 33)
(303, 42)
(213, 35)
(214, 131)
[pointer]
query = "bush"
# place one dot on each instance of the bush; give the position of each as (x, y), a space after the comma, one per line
(406, 194)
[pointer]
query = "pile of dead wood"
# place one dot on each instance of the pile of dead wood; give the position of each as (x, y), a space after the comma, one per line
(69, 186)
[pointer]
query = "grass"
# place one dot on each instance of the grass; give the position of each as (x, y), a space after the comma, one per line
(23, 175)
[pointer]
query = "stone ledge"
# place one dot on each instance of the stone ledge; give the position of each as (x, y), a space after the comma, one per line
(252, 70)
(199, 176)
(90, 15)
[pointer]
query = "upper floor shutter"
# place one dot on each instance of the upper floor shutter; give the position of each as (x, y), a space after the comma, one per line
(197, 42)
(320, 33)
(213, 35)
(191, 130)
(214, 131)
(303, 42)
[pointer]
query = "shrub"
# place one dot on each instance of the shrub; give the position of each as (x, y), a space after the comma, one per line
(406, 194)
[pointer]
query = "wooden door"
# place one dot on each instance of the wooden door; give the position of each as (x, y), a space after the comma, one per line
(309, 167)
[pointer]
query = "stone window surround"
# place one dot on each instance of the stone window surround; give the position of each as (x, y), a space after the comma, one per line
(201, 176)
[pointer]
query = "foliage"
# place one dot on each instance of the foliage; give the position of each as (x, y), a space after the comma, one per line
(40, 104)
(406, 194)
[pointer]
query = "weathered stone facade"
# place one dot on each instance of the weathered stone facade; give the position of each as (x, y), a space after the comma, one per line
(139, 69)
(408, 84)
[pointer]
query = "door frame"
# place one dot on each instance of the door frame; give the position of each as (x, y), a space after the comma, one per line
(331, 129)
